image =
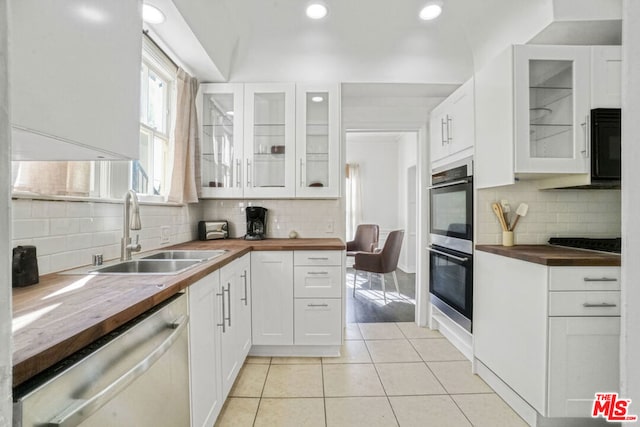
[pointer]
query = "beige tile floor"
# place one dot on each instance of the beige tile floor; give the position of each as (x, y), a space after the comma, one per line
(389, 374)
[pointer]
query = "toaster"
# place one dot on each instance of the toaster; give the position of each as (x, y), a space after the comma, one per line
(24, 266)
(211, 230)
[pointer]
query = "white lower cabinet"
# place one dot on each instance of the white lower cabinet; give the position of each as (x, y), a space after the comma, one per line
(219, 337)
(272, 289)
(550, 333)
(298, 298)
(318, 321)
(236, 309)
(204, 345)
(583, 360)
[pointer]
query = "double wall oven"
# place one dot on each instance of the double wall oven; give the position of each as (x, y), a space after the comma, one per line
(451, 249)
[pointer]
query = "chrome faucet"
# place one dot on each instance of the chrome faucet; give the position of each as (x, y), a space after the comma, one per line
(131, 221)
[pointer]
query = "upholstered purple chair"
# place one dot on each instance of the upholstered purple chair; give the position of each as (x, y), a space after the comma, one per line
(385, 261)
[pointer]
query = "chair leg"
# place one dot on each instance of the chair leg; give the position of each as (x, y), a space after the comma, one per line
(369, 276)
(384, 293)
(355, 279)
(395, 279)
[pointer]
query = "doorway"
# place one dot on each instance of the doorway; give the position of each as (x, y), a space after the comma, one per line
(382, 190)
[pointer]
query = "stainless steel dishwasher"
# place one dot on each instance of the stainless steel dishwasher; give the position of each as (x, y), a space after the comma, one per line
(136, 376)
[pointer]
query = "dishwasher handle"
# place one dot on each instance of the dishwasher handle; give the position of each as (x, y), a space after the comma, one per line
(82, 409)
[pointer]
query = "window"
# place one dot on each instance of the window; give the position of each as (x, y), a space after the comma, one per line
(151, 174)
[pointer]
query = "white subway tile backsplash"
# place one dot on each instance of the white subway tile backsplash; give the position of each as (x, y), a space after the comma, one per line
(66, 234)
(50, 245)
(29, 228)
(552, 213)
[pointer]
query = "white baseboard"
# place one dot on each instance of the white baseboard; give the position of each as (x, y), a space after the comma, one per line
(460, 338)
(295, 350)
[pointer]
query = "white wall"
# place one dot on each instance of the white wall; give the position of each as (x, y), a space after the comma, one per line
(66, 233)
(378, 162)
(630, 343)
(5, 221)
(309, 218)
(552, 213)
(407, 158)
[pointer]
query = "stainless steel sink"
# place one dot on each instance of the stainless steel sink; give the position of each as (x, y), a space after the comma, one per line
(175, 255)
(148, 266)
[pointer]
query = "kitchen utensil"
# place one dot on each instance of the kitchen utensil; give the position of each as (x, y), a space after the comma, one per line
(506, 208)
(498, 211)
(520, 212)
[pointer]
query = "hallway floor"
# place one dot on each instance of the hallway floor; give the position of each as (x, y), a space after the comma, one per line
(389, 374)
(368, 306)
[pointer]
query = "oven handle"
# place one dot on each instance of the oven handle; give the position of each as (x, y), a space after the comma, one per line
(430, 249)
(449, 184)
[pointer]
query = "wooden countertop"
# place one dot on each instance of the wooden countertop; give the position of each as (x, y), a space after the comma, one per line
(64, 313)
(553, 255)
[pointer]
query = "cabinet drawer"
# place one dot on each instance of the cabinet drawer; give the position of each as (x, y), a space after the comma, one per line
(317, 258)
(584, 278)
(317, 282)
(593, 303)
(318, 321)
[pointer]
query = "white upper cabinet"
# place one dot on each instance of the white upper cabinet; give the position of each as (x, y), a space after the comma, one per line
(75, 79)
(552, 85)
(221, 113)
(452, 126)
(317, 140)
(269, 140)
(606, 77)
(532, 106)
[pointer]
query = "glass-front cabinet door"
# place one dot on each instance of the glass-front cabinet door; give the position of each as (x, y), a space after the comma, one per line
(317, 141)
(221, 120)
(269, 150)
(552, 87)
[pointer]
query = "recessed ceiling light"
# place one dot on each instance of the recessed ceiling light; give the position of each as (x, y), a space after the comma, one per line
(317, 98)
(229, 113)
(151, 14)
(317, 10)
(431, 10)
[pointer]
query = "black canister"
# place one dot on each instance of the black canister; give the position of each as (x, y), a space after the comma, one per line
(24, 271)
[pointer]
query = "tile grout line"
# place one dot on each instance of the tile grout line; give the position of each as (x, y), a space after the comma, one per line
(255, 417)
(324, 395)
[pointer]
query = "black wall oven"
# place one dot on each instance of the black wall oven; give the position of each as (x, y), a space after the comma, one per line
(451, 249)
(451, 284)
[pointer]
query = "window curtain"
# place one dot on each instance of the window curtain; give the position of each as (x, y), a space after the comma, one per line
(54, 178)
(354, 199)
(186, 170)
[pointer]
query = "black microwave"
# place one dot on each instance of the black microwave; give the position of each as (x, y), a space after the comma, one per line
(605, 146)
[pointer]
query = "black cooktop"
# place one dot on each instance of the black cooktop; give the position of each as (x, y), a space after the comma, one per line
(604, 245)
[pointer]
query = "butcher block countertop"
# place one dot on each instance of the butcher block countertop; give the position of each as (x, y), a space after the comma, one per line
(554, 255)
(64, 313)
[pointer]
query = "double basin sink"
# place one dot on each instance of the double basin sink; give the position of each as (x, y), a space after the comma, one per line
(167, 262)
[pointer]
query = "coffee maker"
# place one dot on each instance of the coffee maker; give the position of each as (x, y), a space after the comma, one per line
(256, 223)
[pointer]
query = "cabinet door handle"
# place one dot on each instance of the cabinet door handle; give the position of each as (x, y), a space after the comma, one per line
(600, 279)
(449, 128)
(315, 258)
(443, 131)
(228, 290)
(224, 329)
(248, 173)
(318, 272)
(585, 130)
(317, 305)
(301, 174)
(601, 305)
(238, 173)
(246, 295)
